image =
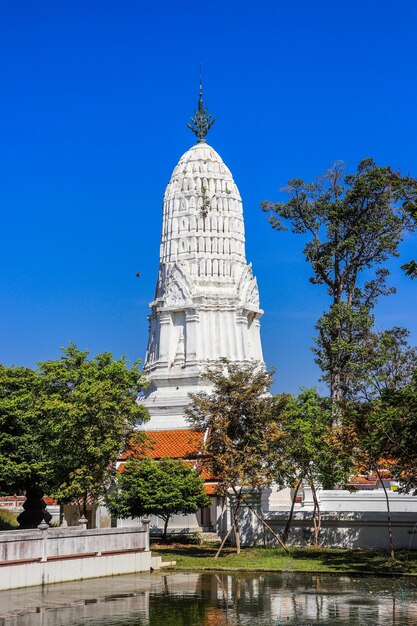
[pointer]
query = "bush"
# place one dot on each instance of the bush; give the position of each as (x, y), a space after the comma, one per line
(8, 520)
(188, 538)
(184, 538)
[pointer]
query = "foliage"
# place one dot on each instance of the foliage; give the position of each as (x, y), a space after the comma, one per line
(387, 364)
(163, 488)
(65, 423)
(310, 448)
(8, 520)
(353, 224)
(410, 268)
(236, 416)
(343, 338)
(388, 434)
(185, 538)
(237, 419)
(24, 433)
(386, 418)
(372, 455)
(91, 409)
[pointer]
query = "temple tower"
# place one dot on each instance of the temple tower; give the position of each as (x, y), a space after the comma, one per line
(206, 302)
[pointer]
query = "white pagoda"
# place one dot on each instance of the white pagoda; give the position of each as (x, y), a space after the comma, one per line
(206, 303)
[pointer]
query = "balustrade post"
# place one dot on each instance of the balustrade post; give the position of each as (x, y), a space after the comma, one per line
(43, 527)
(146, 522)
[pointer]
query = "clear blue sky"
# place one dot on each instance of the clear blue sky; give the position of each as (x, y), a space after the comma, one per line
(94, 102)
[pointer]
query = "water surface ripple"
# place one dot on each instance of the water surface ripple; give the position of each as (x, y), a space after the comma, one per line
(215, 599)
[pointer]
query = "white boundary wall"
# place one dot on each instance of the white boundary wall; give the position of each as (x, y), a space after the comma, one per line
(40, 557)
(349, 520)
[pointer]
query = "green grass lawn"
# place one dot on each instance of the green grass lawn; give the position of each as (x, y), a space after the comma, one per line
(300, 559)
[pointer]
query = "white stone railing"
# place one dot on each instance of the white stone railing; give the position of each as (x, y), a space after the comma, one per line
(63, 543)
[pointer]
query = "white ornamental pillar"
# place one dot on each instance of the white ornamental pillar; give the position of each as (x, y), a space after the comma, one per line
(257, 333)
(164, 335)
(241, 330)
(192, 319)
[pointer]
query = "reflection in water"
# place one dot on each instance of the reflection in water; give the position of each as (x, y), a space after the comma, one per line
(215, 599)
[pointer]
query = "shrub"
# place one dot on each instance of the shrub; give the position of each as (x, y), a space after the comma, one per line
(8, 520)
(193, 538)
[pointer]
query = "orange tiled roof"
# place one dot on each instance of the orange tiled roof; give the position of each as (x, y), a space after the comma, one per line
(363, 482)
(182, 444)
(210, 488)
(175, 444)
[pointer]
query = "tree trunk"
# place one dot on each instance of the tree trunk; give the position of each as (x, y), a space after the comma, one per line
(336, 385)
(238, 499)
(314, 524)
(235, 519)
(235, 523)
(336, 370)
(286, 530)
(391, 539)
(166, 520)
(316, 515)
(223, 542)
(267, 526)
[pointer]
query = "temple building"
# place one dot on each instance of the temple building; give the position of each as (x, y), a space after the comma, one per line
(206, 303)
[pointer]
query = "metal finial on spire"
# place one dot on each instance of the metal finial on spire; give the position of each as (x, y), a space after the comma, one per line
(202, 120)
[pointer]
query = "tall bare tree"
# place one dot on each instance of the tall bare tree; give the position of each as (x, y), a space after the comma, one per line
(353, 223)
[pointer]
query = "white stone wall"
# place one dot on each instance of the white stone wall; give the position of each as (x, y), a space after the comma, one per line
(183, 524)
(361, 501)
(34, 574)
(349, 520)
(38, 557)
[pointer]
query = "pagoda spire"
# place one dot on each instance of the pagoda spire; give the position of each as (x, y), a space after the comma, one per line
(203, 120)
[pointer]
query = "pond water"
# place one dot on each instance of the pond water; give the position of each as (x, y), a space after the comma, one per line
(215, 599)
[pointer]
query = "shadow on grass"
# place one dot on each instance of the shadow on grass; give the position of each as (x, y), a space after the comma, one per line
(377, 562)
(357, 561)
(197, 551)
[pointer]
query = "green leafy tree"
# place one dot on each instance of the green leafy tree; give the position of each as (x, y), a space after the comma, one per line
(237, 419)
(91, 408)
(397, 416)
(384, 399)
(388, 430)
(388, 363)
(25, 459)
(64, 425)
(353, 223)
(25, 463)
(162, 488)
(310, 448)
(343, 337)
(410, 268)
(372, 455)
